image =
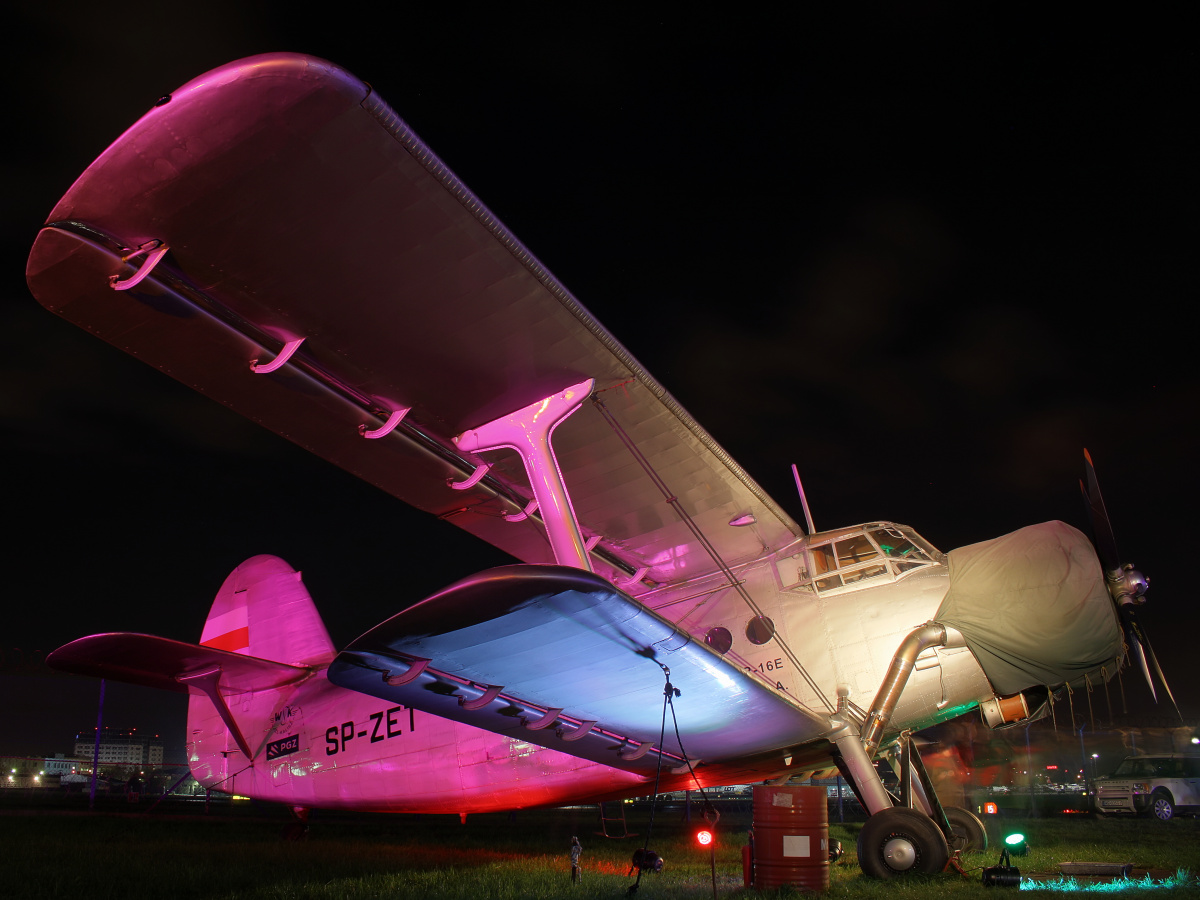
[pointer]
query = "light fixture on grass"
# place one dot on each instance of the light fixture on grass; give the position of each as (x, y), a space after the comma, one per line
(1003, 874)
(1015, 844)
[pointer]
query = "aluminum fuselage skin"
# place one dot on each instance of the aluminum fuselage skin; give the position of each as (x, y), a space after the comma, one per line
(318, 745)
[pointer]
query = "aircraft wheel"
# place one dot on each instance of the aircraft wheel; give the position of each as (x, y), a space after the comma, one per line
(1162, 807)
(970, 835)
(901, 841)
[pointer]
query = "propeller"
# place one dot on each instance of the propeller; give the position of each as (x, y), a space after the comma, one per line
(1126, 585)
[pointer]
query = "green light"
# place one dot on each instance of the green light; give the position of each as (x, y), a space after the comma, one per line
(1015, 844)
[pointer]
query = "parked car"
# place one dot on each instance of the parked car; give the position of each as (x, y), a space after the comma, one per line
(1160, 786)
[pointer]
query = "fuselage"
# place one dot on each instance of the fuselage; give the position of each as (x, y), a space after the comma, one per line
(839, 603)
(318, 745)
(842, 601)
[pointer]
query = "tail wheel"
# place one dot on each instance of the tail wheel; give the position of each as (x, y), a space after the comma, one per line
(970, 835)
(901, 841)
(1162, 806)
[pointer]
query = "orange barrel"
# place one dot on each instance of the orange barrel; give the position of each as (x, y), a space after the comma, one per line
(791, 837)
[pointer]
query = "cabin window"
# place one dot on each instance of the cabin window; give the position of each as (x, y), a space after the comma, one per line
(842, 559)
(863, 574)
(826, 584)
(719, 639)
(759, 630)
(854, 549)
(823, 559)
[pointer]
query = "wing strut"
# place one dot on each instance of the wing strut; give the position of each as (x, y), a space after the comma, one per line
(208, 680)
(527, 431)
(703, 540)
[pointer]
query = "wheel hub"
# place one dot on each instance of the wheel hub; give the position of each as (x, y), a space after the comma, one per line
(900, 854)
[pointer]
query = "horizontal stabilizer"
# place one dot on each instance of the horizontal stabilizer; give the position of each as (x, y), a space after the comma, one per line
(558, 657)
(159, 662)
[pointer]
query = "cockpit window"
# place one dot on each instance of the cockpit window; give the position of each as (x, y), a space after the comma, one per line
(853, 558)
(879, 551)
(839, 562)
(847, 552)
(895, 545)
(854, 549)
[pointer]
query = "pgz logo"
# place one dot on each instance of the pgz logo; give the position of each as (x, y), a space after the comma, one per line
(386, 725)
(283, 747)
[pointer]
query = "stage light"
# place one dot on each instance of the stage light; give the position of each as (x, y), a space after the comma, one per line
(647, 861)
(1016, 845)
(1004, 873)
(835, 851)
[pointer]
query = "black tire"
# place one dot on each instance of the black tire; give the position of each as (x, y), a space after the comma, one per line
(1162, 805)
(970, 834)
(901, 841)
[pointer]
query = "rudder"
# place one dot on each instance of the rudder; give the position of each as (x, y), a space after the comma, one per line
(264, 610)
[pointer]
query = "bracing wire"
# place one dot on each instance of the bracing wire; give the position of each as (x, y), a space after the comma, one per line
(711, 815)
(668, 691)
(703, 540)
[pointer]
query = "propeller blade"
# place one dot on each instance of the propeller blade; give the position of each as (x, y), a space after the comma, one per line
(1126, 585)
(1106, 543)
(1162, 678)
(1137, 643)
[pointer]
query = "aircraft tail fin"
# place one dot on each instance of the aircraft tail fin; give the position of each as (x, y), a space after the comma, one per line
(264, 610)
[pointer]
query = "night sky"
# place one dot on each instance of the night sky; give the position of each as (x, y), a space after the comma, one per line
(927, 256)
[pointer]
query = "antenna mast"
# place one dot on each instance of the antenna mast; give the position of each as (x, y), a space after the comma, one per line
(803, 501)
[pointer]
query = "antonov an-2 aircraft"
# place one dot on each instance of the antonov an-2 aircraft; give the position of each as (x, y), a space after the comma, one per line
(275, 236)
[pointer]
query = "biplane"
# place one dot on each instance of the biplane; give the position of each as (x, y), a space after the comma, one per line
(275, 236)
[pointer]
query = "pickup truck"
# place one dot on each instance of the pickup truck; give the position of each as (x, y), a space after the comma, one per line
(1161, 786)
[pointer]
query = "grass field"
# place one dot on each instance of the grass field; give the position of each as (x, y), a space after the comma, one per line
(238, 853)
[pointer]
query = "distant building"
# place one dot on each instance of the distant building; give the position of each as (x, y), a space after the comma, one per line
(120, 747)
(58, 766)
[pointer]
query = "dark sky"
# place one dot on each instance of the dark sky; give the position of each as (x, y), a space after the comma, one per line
(926, 255)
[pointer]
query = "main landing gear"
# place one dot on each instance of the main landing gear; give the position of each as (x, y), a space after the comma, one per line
(899, 841)
(912, 833)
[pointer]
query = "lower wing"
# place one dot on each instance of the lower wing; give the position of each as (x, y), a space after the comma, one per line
(560, 658)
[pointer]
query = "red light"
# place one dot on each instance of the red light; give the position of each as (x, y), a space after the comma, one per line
(704, 838)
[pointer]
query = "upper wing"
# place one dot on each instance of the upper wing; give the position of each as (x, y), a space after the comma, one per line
(296, 204)
(556, 656)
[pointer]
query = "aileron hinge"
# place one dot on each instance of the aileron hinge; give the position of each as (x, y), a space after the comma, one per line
(633, 579)
(153, 250)
(575, 734)
(279, 361)
(415, 668)
(524, 514)
(473, 479)
(544, 722)
(635, 752)
(492, 692)
(395, 417)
